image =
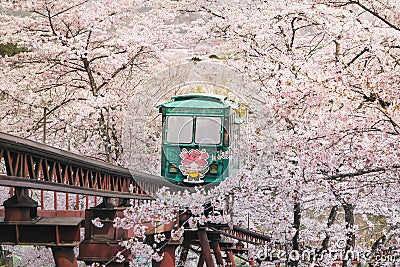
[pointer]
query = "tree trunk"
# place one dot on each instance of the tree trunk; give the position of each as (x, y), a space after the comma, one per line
(44, 124)
(350, 235)
(331, 220)
(296, 226)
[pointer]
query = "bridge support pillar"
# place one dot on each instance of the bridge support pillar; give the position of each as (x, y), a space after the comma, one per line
(184, 253)
(124, 202)
(201, 261)
(106, 204)
(252, 262)
(217, 252)
(169, 257)
(205, 247)
(20, 207)
(101, 244)
(64, 256)
(231, 258)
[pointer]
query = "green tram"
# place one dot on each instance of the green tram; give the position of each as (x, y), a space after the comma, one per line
(198, 139)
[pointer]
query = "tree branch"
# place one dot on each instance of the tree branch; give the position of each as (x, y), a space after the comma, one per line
(92, 82)
(338, 177)
(366, 49)
(212, 12)
(124, 66)
(69, 8)
(376, 15)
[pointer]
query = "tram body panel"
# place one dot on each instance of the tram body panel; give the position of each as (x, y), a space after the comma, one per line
(196, 139)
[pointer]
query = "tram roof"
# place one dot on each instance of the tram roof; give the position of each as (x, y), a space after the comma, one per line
(196, 101)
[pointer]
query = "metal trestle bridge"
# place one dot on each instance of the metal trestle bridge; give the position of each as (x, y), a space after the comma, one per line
(26, 166)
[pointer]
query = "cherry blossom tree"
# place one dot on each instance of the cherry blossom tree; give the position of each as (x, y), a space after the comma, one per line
(329, 72)
(93, 62)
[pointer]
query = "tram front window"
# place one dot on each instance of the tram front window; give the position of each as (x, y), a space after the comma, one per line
(179, 129)
(208, 130)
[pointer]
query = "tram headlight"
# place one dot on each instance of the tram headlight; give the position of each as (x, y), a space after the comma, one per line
(173, 168)
(213, 168)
